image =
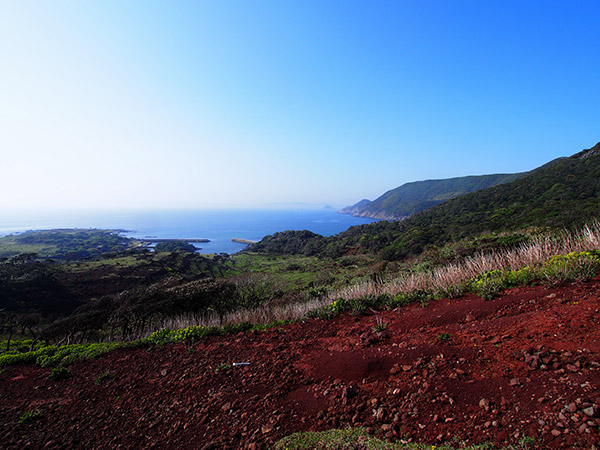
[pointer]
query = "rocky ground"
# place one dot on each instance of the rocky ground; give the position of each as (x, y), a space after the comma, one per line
(526, 364)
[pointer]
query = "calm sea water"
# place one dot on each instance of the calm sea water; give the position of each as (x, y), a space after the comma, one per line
(220, 226)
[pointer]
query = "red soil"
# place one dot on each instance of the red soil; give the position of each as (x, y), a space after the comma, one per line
(524, 364)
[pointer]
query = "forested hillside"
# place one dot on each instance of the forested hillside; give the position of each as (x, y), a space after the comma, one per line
(411, 198)
(564, 193)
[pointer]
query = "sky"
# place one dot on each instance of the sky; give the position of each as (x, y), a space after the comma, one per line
(228, 104)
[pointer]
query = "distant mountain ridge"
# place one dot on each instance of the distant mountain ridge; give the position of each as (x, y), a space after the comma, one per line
(411, 198)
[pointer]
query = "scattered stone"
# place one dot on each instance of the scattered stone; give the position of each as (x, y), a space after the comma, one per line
(572, 407)
(592, 411)
(555, 433)
(515, 382)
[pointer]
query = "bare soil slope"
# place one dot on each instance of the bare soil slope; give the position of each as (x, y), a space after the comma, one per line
(524, 364)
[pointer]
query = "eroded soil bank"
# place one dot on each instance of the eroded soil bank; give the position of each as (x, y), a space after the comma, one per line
(526, 364)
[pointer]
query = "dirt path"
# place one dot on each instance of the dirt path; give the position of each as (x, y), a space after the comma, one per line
(526, 364)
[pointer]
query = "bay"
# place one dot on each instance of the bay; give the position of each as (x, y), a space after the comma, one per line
(220, 226)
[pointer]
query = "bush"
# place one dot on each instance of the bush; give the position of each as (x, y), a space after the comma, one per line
(581, 266)
(361, 304)
(31, 416)
(406, 298)
(60, 373)
(488, 284)
(443, 337)
(103, 377)
(160, 337)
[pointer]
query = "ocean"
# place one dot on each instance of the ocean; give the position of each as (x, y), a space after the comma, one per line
(220, 226)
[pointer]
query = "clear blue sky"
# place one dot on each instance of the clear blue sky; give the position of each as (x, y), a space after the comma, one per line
(250, 103)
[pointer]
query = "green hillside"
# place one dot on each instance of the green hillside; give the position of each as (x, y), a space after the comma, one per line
(564, 193)
(411, 198)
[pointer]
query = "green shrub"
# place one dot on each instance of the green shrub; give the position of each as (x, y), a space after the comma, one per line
(31, 416)
(361, 304)
(359, 439)
(103, 377)
(331, 310)
(580, 266)
(406, 298)
(452, 291)
(443, 337)
(60, 373)
(16, 358)
(380, 325)
(237, 328)
(160, 337)
(488, 284)
(223, 366)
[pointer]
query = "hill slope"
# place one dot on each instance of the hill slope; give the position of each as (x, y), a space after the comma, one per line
(563, 193)
(411, 198)
(489, 378)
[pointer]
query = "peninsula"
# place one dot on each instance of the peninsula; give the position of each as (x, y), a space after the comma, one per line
(243, 241)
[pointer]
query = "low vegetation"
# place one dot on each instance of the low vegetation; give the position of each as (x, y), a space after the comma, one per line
(31, 416)
(545, 258)
(65, 244)
(359, 439)
(59, 357)
(103, 377)
(549, 259)
(59, 373)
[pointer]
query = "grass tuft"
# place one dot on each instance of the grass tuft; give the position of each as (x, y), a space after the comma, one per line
(31, 416)
(359, 439)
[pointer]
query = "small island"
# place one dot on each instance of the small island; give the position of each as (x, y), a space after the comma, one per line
(243, 241)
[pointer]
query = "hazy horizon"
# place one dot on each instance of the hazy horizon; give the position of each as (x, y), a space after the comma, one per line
(203, 105)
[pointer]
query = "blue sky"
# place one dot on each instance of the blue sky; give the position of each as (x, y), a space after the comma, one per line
(154, 104)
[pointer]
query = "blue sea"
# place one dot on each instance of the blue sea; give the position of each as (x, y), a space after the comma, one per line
(220, 226)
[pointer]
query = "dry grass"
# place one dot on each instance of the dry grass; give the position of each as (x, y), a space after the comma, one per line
(446, 279)
(262, 315)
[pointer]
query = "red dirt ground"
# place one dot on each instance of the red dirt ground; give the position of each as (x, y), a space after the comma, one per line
(526, 364)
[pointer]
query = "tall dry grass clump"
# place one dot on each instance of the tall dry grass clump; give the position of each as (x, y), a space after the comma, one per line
(447, 279)
(261, 315)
